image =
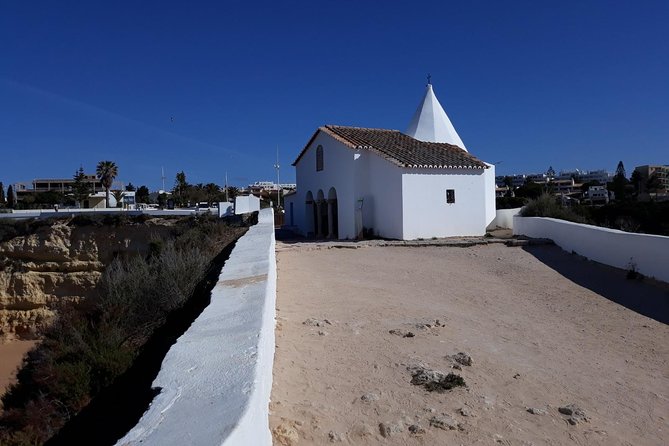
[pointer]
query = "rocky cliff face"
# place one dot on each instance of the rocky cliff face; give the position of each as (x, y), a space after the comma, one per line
(60, 263)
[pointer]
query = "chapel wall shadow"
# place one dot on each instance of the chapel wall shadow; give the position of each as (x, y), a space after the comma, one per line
(647, 297)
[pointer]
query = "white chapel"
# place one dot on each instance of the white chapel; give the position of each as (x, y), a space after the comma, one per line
(423, 183)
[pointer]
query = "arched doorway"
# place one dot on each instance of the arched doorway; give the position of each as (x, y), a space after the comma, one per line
(310, 215)
(321, 215)
(333, 214)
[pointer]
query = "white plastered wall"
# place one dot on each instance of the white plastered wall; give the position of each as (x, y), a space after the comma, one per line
(490, 202)
(246, 203)
(648, 254)
(425, 211)
(379, 184)
(337, 172)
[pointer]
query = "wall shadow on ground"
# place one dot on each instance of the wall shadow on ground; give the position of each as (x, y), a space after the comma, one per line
(118, 408)
(647, 297)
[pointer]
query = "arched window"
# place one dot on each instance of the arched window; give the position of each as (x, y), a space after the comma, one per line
(319, 158)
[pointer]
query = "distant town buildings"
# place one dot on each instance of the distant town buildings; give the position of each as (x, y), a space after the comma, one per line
(647, 182)
(62, 185)
(261, 186)
(65, 186)
(579, 176)
(655, 176)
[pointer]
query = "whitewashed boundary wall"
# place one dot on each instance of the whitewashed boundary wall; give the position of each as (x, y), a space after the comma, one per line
(246, 203)
(504, 218)
(216, 380)
(649, 254)
(225, 208)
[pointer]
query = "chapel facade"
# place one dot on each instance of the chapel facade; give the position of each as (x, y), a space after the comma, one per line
(423, 183)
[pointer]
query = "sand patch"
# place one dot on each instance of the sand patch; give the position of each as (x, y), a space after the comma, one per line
(533, 340)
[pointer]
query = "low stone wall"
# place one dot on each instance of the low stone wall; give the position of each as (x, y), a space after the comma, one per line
(216, 380)
(648, 254)
(504, 218)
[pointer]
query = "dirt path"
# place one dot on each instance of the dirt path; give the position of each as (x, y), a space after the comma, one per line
(11, 357)
(537, 339)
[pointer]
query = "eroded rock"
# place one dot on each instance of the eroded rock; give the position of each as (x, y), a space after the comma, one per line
(335, 437)
(316, 322)
(403, 333)
(445, 422)
(390, 429)
(435, 380)
(461, 358)
(369, 397)
(285, 435)
(575, 413)
(59, 263)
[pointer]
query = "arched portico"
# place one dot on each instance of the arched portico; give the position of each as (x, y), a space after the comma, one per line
(333, 214)
(321, 215)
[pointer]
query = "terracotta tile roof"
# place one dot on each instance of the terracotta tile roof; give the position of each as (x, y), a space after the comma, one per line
(400, 149)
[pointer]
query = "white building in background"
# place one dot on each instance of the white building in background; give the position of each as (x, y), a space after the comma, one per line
(260, 186)
(418, 184)
(597, 194)
(586, 176)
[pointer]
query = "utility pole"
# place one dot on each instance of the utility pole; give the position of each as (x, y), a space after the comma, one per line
(162, 176)
(278, 184)
(227, 197)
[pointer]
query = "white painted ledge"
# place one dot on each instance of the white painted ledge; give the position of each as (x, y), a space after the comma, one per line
(504, 218)
(649, 254)
(216, 380)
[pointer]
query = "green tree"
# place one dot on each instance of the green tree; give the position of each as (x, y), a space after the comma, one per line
(550, 173)
(142, 194)
(107, 171)
(162, 200)
(118, 196)
(619, 183)
(11, 198)
(48, 198)
(620, 170)
(529, 190)
(180, 188)
(195, 193)
(81, 188)
(2, 193)
(213, 193)
(636, 179)
(130, 187)
(654, 184)
(232, 192)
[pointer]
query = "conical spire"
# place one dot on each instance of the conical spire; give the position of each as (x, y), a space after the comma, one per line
(430, 122)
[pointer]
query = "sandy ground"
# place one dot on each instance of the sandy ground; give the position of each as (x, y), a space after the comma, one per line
(11, 357)
(540, 325)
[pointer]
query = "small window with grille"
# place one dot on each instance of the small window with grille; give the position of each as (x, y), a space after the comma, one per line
(450, 196)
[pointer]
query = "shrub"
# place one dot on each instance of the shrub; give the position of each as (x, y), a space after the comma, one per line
(90, 345)
(509, 202)
(547, 205)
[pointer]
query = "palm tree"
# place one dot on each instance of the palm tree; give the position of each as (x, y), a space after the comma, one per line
(107, 171)
(212, 190)
(118, 196)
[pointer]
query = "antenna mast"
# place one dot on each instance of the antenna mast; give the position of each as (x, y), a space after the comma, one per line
(278, 184)
(227, 197)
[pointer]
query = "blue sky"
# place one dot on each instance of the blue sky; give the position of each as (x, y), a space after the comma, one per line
(210, 87)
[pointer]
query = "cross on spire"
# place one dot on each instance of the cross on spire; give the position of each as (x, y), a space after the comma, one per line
(429, 79)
